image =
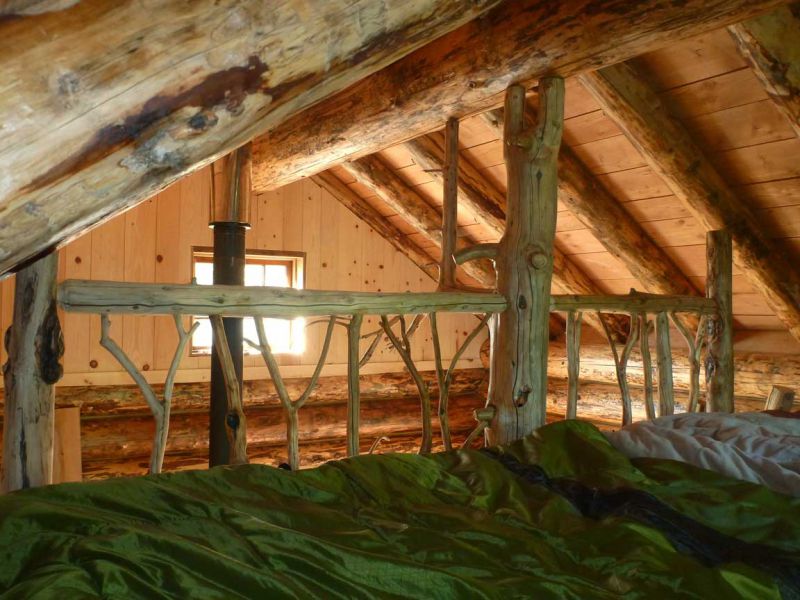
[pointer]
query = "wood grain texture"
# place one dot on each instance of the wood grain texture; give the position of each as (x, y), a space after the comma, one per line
(137, 98)
(719, 357)
(467, 70)
(109, 297)
(525, 264)
(35, 347)
(672, 153)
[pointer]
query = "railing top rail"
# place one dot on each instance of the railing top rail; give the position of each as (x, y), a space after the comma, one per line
(246, 301)
(634, 303)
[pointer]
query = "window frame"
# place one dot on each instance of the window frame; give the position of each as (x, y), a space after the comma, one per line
(293, 260)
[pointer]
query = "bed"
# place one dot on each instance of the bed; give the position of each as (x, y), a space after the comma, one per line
(558, 514)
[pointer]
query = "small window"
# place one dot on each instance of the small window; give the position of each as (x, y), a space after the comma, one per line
(262, 268)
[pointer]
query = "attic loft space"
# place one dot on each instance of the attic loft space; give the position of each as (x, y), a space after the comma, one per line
(278, 280)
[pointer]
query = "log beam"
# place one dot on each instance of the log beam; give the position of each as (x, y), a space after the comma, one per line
(468, 70)
(34, 346)
(117, 297)
(669, 149)
(374, 173)
(174, 87)
(771, 45)
(525, 264)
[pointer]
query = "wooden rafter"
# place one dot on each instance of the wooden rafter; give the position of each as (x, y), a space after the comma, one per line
(771, 45)
(487, 204)
(175, 86)
(378, 176)
(374, 173)
(666, 145)
(467, 71)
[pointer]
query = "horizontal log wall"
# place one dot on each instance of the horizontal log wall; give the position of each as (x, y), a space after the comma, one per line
(117, 427)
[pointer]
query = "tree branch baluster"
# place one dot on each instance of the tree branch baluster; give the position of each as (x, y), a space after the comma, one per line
(159, 408)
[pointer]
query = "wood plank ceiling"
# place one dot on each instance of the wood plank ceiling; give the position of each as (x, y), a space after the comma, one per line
(708, 86)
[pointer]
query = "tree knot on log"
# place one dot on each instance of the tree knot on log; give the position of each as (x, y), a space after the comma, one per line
(232, 421)
(522, 397)
(50, 346)
(538, 257)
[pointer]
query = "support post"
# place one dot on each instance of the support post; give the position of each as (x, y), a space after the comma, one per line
(447, 270)
(35, 346)
(573, 362)
(719, 287)
(666, 394)
(230, 204)
(525, 263)
(353, 388)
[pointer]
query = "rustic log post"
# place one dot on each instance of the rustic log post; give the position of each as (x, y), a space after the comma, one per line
(666, 395)
(230, 219)
(573, 361)
(34, 346)
(719, 356)
(447, 271)
(353, 388)
(645, 327)
(525, 262)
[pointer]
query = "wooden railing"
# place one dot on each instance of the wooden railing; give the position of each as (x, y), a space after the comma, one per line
(346, 309)
(701, 321)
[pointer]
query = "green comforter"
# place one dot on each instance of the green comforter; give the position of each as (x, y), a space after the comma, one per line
(450, 525)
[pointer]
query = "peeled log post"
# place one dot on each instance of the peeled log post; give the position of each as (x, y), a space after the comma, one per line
(175, 86)
(666, 396)
(645, 327)
(573, 361)
(771, 44)
(467, 70)
(353, 389)
(525, 264)
(35, 347)
(719, 357)
(447, 269)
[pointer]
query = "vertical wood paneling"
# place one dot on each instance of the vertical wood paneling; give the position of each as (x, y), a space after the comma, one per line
(77, 343)
(108, 262)
(153, 242)
(140, 251)
(167, 269)
(6, 312)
